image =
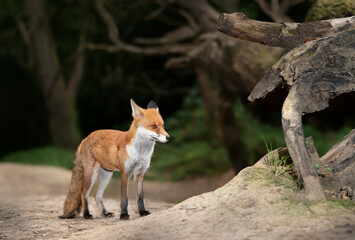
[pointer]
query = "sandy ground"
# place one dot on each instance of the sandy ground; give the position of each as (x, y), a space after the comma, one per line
(248, 207)
(31, 198)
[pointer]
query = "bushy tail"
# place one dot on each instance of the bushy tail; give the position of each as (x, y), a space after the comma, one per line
(72, 204)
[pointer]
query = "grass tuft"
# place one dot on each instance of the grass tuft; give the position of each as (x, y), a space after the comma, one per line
(277, 163)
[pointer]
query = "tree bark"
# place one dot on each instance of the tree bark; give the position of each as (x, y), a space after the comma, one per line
(294, 136)
(61, 111)
(338, 165)
(286, 35)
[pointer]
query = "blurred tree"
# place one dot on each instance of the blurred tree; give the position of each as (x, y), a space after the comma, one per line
(127, 61)
(43, 62)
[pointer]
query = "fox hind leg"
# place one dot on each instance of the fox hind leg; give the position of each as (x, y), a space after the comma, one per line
(89, 180)
(104, 178)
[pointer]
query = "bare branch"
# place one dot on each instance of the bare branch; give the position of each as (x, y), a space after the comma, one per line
(161, 91)
(274, 11)
(155, 13)
(113, 32)
(189, 19)
(177, 35)
(26, 38)
(287, 4)
(178, 63)
(119, 45)
(286, 35)
(78, 68)
(159, 50)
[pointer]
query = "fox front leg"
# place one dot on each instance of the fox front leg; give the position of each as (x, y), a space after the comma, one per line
(140, 196)
(124, 197)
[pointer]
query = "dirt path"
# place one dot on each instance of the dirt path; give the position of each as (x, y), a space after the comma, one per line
(31, 198)
(24, 180)
(252, 206)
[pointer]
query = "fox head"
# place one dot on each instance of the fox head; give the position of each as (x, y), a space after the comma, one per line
(149, 122)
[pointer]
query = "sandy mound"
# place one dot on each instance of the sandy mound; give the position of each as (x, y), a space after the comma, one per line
(254, 205)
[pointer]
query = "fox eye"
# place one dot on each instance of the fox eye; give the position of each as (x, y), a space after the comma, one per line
(154, 126)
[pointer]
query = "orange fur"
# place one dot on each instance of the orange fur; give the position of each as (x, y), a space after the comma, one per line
(72, 204)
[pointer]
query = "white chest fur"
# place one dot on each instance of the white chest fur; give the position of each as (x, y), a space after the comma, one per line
(140, 152)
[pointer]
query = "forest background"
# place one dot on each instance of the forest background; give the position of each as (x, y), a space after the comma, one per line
(70, 67)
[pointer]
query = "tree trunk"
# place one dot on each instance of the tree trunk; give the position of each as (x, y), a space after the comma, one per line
(221, 120)
(62, 116)
(294, 136)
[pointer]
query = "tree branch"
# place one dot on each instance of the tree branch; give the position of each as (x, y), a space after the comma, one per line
(276, 12)
(113, 32)
(286, 35)
(119, 45)
(27, 40)
(78, 67)
(158, 50)
(177, 35)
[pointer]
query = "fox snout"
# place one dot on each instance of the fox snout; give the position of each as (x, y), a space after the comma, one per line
(167, 139)
(165, 136)
(162, 139)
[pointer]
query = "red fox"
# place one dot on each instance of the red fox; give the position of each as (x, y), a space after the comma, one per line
(105, 151)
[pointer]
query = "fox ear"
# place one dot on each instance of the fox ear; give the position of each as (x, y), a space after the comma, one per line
(137, 112)
(152, 104)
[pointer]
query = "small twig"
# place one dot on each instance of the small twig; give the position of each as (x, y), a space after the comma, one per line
(274, 11)
(113, 32)
(190, 20)
(161, 91)
(177, 35)
(158, 50)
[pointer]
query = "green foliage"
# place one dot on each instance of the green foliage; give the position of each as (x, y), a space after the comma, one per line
(253, 129)
(324, 140)
(51, 156)
(335, 203)
(190, 153)
(321, 170)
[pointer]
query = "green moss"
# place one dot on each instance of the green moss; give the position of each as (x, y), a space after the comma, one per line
(334, 203)
(328, 9)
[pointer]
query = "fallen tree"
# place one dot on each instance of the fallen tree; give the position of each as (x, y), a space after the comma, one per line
(318, 68)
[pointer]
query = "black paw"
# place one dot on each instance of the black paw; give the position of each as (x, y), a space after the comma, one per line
(67, 216)
(124, 216)
(108, 214)
(88, 216)
(144, 213)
